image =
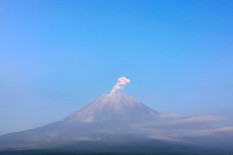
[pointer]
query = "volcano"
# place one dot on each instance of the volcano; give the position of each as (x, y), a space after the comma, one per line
(116, 123)
(107, 119)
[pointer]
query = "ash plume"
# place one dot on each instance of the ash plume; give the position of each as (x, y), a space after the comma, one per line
(121, 83)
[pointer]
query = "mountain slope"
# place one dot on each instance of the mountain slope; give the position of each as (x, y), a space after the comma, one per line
(105, 119)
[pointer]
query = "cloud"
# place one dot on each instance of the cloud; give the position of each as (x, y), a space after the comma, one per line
(177, 121)
(213, 131)
(176, 128)
(201, 119)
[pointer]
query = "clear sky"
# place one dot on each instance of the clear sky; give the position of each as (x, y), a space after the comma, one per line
(58, 56)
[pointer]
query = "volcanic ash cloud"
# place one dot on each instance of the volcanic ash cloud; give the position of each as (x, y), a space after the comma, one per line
(121, 83)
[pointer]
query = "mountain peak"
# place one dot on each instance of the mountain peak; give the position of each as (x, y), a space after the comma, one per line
(117, 100)
(114, 107)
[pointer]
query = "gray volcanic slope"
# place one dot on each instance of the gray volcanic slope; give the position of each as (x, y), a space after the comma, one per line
(106, 119)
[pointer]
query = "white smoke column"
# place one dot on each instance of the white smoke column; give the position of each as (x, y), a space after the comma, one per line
(121, 83)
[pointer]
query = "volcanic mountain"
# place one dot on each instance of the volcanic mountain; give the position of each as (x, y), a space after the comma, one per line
(118, 123)
(108, 119)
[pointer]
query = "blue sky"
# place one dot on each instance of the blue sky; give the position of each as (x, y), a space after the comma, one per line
(57, 56)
